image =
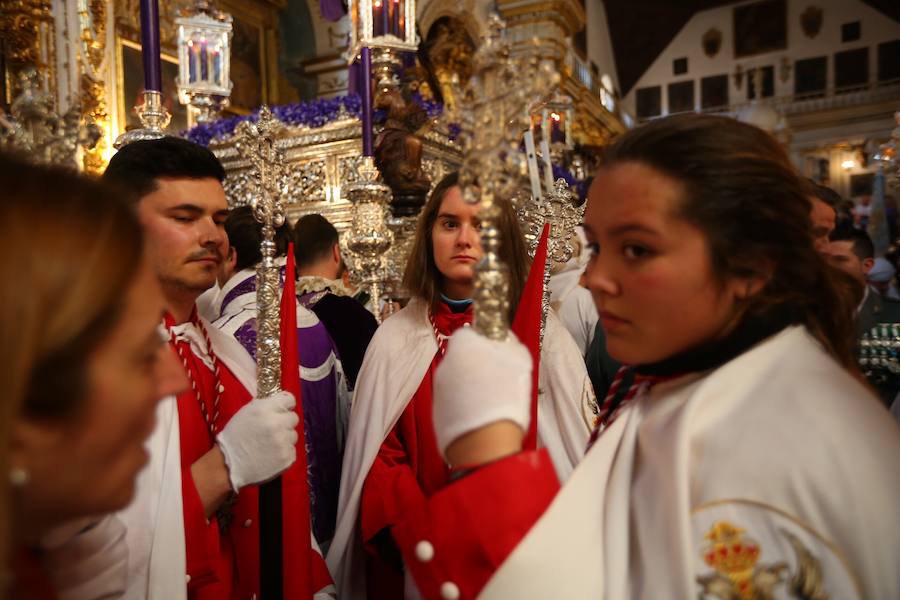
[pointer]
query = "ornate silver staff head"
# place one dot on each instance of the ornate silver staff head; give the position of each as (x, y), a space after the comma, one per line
(257, 143)
(493, 113)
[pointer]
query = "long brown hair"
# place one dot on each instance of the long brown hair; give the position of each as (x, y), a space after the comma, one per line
(71, 248)
(743, 193)
(422, 278)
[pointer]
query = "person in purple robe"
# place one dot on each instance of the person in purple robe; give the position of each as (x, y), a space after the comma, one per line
(323, 387)
(321, 290)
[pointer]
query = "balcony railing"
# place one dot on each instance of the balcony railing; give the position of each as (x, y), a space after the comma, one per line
(795, 104)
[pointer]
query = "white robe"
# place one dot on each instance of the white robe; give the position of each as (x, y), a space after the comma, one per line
(574, 304)
(780, 442)
(86, 559)
(155, 519)
(395, 363)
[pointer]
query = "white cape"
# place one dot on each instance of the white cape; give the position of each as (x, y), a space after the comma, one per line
(154, 520)
(395, 363)
(780, 442)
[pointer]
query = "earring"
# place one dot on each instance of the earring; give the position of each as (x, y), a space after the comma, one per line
(18, 477)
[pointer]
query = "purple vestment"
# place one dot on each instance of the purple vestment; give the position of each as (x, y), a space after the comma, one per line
(320, 387)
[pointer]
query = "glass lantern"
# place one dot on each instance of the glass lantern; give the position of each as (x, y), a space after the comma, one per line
(204, 58)
(388, 24)
(558, 114)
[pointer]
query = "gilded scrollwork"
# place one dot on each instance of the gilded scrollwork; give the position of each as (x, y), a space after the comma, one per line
(128, 18)
(92, 86)
(28, 32)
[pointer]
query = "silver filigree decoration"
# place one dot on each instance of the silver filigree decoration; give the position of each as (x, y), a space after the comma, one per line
(348, 168)
(493, 113)
(306, 182)
(36, 130)
(369, 238)
(267, 182)
(559, 208)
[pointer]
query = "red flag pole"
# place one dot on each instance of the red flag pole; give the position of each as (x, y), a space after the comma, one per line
(527, 326)
(297, 555)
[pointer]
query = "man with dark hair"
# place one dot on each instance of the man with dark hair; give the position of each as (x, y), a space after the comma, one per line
(319, 266)
(852, 251)
(192, 531)
(326, 403)
(824, 213)
(141, 168)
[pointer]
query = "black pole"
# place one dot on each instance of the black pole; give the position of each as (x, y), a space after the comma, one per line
(271, 580)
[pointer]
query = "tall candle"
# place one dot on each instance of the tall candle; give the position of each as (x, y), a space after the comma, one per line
(377, 22)
(548, 167)
(217, 67)
(366, 83)
(150, 45)
(204, 61)
(395, 17)
(192, 62)
(533, 172)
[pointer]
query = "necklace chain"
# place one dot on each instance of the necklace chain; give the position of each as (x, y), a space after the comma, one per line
(211, 420)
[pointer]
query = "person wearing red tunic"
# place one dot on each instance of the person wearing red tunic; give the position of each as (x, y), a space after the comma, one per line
(392, 459)
(227, 441)
(746, 459)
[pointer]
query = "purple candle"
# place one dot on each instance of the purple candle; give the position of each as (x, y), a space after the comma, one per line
(377, 22)
(366, 84)
(395, 17)
(150, 45)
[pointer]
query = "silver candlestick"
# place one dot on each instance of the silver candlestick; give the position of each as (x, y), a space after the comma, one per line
(369, 238)
(154, 119)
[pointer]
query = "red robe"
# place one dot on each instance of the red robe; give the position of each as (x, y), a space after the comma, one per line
(471, 526)
(28, 578)
(219, 567)
(407, 469)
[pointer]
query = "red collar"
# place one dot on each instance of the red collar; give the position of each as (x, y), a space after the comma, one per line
(446, 321)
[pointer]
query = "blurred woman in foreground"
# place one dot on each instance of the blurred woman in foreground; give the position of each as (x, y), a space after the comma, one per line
(83, 366)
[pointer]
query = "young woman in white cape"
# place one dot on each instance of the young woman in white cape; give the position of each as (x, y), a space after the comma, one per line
(749, 460)
(392, 460)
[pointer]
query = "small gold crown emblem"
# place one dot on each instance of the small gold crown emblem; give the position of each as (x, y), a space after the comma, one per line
(729, 552)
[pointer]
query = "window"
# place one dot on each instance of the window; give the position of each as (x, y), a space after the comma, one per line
(679, 66)
(681, 97)
(850, 32)
(768, 82)
(810, 76)
(714, 92)
(649, 102)
(851, 69)
(889, 61)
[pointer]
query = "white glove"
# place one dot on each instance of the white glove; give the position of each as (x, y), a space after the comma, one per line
(260, 440)
(480, 381)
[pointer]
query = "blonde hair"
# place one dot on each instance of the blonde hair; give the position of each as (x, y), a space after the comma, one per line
(71, 247)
